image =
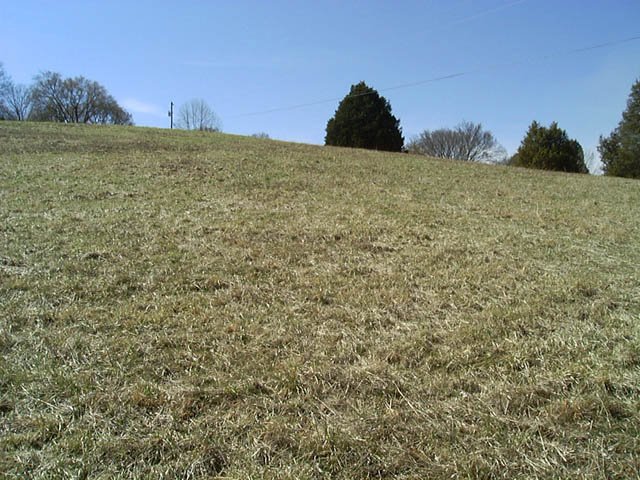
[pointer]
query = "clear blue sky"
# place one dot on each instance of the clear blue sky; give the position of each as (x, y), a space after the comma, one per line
(250, 56)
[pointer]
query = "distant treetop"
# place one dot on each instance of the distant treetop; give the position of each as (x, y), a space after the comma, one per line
(261, 135)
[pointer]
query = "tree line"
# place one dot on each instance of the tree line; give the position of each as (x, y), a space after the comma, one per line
(54, 98)
(364, 119)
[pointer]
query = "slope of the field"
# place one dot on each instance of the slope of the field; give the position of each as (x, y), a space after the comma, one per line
(189, 305)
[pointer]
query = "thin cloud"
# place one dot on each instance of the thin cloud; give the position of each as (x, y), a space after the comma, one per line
(138, 106)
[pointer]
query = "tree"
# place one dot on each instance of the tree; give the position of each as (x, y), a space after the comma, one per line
(467, 141)
(18, 102)
(620, 151)
(549, 149)
(75, 100)
(364, 120)
(5, 86)
(196, 114)
(592, 162)
(15, 100)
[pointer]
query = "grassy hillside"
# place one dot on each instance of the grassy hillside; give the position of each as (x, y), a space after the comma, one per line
(186, 305)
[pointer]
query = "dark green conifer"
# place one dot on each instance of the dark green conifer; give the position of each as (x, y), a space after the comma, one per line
(550, 149)
(364, 120)
(620, 151)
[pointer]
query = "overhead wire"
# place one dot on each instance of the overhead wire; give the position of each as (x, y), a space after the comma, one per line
(450, 76)
(512, 63)
(444, 77)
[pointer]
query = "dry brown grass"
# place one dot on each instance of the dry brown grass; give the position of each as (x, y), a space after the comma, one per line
(180, 305)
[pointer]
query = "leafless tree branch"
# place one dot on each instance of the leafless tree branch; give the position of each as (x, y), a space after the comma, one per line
(196, 114)
(467, 141)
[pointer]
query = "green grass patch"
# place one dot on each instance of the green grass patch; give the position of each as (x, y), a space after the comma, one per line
(198, 305)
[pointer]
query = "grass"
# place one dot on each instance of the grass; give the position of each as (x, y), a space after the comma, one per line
(185, 305)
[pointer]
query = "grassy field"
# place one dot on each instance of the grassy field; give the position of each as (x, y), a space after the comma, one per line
(190, 305)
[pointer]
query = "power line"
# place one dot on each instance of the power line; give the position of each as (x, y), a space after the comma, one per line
(513, 63)
(451, 75)
(441, 27)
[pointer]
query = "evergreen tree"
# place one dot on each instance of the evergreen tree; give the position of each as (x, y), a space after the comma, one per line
(620, 151)
(549, 149)
(364, 120)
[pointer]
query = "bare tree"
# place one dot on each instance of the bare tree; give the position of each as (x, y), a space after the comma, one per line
(196, 114)
(468, 141)
(496, 155)
(5, 85)
(261, 135)
(4, 78)
(75, 100)
(594, 165)
(18, 102)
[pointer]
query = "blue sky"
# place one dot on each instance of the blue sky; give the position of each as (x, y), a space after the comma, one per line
(246, 57)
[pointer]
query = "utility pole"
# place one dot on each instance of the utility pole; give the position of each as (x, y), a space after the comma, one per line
(171, 115)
